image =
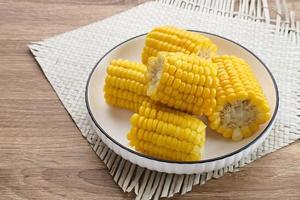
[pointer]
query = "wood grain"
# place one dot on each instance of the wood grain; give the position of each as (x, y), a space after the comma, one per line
(42, 153)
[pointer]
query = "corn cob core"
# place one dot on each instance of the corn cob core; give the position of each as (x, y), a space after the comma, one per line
(125, 84)
(241, 104)
(172, 39)
(165, 133)
(184, 82)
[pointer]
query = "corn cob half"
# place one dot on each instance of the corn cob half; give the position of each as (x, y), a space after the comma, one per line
(125, 84)
(184, 82)
(168, 134)
(241, 104)
(172, 39)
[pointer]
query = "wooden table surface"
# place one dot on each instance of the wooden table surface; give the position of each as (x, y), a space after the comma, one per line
(42, 153)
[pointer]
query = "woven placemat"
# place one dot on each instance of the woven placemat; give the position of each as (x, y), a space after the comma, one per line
(67, 60)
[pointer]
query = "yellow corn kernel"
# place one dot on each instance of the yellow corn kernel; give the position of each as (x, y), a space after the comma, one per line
(168, 134)
(167, 86)
(125, 84)
(240, 103)
(172, 39)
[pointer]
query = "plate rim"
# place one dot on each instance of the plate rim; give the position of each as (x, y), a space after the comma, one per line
(264, 131)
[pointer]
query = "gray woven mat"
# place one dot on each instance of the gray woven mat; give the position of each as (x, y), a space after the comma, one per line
(67, 60)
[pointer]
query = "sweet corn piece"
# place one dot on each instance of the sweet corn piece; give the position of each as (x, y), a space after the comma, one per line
(167, 134)
(125, 84)
(172, 39)
(184, 82)
(241, 104)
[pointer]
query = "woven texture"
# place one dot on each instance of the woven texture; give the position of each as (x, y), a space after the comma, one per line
(68, 59)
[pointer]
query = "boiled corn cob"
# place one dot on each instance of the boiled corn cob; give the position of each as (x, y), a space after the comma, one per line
(184, 82)
(125, 84)
(168, 134)
(241, 104)
(172, 39)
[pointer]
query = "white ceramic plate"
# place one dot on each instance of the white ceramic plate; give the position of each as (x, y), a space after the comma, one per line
(112, 124)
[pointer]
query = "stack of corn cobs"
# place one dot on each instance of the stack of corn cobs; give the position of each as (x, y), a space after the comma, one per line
(181, 78)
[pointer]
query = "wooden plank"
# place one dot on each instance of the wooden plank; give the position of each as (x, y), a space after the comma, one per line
(43, 155)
